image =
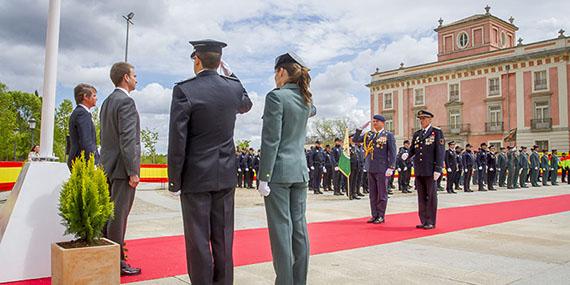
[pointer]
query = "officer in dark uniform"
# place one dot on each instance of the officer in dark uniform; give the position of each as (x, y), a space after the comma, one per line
(459, 175)
(502, 166)
(249, 169)
(380, 150)
(255, 167)
(428, 151)
(482, 166)
(242, 180)
(318, 167)
(404, 168)
(354, 172)
(451, 166)
(545, 167)
(238, 170)
(491, 168)
(337, 177)
(554, 160)
(359, 150)
(468, 160)
(309, 157)
(511, 167)
(329, 166)
(201, 165)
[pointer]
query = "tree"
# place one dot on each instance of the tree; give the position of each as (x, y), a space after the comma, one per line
(61, 128)
(149, 139)
(326, 130)
(243, 144)
(17, 108)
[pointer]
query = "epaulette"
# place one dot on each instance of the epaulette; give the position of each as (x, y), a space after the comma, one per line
(230, 77)
(439, 129)
(184, 81)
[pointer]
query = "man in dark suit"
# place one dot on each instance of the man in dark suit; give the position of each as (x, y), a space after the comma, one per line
(468, 160)
(428, 151)
(338, 177)
(82, 137)
(318, 167)
(380, 148)
(451, 166)
(200, 163)
(121, 152)
(482, 166)
(404, 168)
(491, 168)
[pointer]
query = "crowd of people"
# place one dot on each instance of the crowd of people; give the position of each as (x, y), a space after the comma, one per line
(485, 167)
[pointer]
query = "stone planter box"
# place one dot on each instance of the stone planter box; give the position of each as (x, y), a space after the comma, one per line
(86, 265)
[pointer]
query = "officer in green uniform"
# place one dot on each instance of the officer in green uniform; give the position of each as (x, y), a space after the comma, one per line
(545, 167)
(502, 166)
(534, 166)
(511, 165)
(554, 160)
(523, 164)
(283, 173)
(517, 170)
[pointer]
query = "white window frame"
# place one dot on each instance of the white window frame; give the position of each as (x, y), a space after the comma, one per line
(473, 36)
(449, 91)
(384, 101)
(458, 122)
(459, 46)
(389, 121)
(534, 109)
(452, 45)
(490, 114)
(503, 43)
(547, 81)
(489, 86)
(424, 97)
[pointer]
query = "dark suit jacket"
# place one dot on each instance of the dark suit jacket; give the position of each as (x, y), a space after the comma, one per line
(201, 138)
(428, 151)
(82, 135)
(120, 136)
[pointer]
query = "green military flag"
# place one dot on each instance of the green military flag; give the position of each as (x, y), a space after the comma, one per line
(344, 160)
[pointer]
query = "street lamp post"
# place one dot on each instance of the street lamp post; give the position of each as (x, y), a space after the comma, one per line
(128, 18)
(32, 124)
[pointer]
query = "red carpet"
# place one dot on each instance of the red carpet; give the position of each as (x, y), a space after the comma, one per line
(165, 256)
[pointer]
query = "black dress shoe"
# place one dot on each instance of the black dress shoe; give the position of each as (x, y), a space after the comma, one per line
(127, 270)
(390, 192)
(429, 227)
(371, 220)
(337, 194)
(355, 197)
(360, 194)
(452, 192)
(378, 220)
(419, 226)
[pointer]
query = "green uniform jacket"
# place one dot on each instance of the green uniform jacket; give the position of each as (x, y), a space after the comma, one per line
(283, 136)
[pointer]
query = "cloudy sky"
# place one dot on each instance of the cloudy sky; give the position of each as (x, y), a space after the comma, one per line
(342, 41)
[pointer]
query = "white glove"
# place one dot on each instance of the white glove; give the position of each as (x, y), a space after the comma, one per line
(480, 167)
(551, 169)
(490, 169)
(175, 194)
(264, 189)
(308, 169)
(239, 169)
(336, 168)
(324, 170)
(466, 170)
(312, 168)
(364, 170)
(536, 168)
(405, 156)
(498, 169)
(247, 169)
(399, 169)
(449, 170)
(225, 68)
(389, 172)
(436, 175)
(405, 168)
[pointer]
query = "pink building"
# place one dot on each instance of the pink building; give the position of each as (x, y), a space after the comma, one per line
(483, 85)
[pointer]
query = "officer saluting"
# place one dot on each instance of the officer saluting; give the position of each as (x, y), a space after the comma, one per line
(201, 165)
(428, 151)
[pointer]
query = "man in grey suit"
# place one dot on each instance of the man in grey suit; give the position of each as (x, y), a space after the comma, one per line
(82, 136)
(201, 162)
(121, 152)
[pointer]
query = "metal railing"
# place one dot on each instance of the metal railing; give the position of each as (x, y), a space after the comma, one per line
(494, 127)
(541, 124)
(456, 128)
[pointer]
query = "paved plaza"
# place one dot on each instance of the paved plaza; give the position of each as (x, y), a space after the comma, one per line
(529, 251)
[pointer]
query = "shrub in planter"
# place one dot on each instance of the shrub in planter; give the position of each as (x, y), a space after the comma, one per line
(85, 208)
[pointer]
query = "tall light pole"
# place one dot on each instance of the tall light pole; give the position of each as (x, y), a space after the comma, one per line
(129, 19)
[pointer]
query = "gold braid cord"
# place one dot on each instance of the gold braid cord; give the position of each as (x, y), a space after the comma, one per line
(368, 146)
